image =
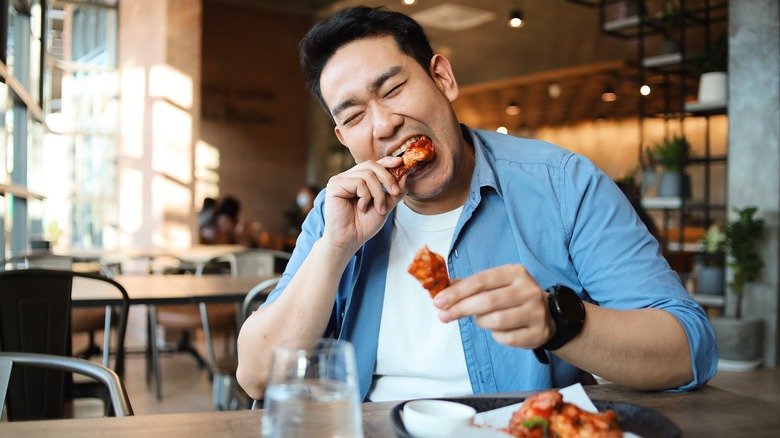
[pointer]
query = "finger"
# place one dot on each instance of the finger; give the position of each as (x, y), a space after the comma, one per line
(484, 302)
(388, 180)
(465, 287)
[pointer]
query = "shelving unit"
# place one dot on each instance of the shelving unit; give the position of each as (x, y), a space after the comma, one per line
(672, 73)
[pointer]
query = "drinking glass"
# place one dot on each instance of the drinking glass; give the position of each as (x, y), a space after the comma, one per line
(312, 391)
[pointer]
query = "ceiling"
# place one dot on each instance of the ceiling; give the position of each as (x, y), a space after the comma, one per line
(560, 46)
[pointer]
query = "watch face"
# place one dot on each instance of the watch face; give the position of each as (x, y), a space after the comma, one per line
(569, 305)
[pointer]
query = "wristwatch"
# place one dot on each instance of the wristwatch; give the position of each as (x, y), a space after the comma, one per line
(568, 313)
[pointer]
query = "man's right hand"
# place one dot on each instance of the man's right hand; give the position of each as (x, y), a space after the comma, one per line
(358, 201)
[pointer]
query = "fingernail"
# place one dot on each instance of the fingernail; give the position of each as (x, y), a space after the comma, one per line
(395, 189)
(439, 301)
(444, 316)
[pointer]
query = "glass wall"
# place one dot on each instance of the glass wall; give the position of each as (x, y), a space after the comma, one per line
(81, 113)
(58, 124)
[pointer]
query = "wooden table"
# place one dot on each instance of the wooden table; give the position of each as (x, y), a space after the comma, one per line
(154, 290)
(167, 289)
(709, 412)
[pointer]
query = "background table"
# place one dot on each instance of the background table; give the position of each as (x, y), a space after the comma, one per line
(709, 412)
(167, 289)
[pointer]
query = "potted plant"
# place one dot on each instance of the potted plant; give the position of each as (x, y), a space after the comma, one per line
(740, 340)
(709, 267)
(711, 67)
(669, 20)
(672, 153)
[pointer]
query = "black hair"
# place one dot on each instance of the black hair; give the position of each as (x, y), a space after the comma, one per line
(351, 24)
(229, 206)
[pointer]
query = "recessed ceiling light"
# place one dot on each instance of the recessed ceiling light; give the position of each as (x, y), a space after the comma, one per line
(452, 17)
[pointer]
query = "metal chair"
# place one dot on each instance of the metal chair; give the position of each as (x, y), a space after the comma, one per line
(120, 403)
(87, 320)
(228, 395)
(35, 311)
(188, 318)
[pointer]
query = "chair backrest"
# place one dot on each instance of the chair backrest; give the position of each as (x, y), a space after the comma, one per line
(53, 261)
(22, 361)
(258, 261)
(42, 261)
(257, 295)
(35, 310)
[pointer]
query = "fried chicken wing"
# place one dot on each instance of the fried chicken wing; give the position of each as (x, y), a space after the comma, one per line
(546, 414)
(415, 156)
(431, 270)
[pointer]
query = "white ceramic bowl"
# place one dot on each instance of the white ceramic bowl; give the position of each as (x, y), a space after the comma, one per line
(436, 418)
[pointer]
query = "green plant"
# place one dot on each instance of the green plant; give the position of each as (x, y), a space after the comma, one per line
(669, 19)
(742, 235)
(673, 152)
(714, 244)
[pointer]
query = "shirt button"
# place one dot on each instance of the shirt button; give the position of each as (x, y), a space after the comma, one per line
(473, 195)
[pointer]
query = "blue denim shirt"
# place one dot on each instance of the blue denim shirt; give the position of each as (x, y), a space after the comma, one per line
(555, 212)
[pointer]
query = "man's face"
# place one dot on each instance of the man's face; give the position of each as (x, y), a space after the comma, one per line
(380, 98)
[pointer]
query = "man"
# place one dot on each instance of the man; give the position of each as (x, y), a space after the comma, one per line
(512, 218)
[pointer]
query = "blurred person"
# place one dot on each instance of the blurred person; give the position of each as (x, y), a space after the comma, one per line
(304, 202)
(226, 228)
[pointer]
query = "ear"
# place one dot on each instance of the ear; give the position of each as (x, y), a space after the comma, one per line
(338, 134)
(443, 77)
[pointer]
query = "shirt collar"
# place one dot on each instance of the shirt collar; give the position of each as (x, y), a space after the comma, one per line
(484, 173)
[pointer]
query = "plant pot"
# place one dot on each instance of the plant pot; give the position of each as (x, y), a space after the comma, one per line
(669, 184)
(669, 46)
(649, 181)
(709, 280)
(713, 87)
(740, 342)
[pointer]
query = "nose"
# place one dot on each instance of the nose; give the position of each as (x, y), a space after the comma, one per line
(385, 121)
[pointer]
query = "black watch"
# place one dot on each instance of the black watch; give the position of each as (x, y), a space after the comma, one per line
(568, 313)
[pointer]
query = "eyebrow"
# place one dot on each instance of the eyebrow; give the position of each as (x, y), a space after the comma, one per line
(375, 85)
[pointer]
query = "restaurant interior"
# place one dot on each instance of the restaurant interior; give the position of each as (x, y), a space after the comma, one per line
(122, 116)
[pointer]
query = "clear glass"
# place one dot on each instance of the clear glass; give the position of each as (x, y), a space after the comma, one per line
(313, 391)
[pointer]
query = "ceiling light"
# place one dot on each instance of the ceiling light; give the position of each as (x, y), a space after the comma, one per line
(554, 90)
(408, 2)
(516, 19)
(608, 95)
(502, 129)
(512, 109)
(644, 90)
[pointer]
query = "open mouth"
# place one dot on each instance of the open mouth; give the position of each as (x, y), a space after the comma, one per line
(416, 152)
(400, 151)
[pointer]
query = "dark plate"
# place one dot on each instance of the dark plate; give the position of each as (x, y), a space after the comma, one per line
(642, 421)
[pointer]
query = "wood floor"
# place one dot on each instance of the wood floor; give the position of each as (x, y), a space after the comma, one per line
(186, 387)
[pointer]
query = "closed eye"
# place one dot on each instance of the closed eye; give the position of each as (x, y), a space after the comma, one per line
(393, 91)
(353, 118)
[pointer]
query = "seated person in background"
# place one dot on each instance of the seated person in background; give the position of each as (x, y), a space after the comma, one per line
(512, 217)
(304, 202)
(206, 212)
(225, 228)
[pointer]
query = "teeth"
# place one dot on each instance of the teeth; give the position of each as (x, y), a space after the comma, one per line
(400, 151)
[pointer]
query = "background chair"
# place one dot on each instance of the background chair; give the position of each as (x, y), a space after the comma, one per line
(87, 320)
(187, 318)
(35, 310)
(120, 403)
(228, 395)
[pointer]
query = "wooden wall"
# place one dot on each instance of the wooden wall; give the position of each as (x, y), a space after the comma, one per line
(254, 107)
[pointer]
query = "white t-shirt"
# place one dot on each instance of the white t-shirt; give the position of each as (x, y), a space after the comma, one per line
(418, 355)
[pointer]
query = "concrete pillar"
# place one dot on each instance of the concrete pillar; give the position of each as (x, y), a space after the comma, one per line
(754, 145)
